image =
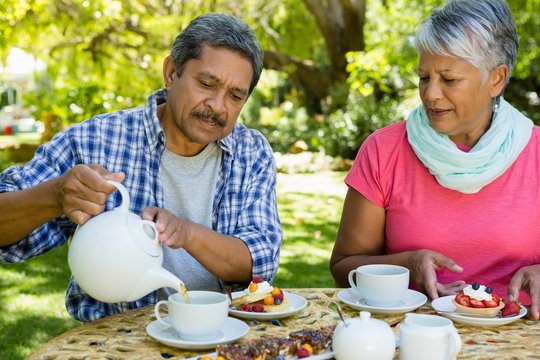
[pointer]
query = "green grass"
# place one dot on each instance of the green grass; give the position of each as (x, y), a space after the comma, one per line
(32, 293)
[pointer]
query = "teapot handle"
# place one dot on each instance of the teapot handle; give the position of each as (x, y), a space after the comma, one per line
(124, 206)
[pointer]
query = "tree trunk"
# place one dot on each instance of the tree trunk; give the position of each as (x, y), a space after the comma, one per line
(341, 23)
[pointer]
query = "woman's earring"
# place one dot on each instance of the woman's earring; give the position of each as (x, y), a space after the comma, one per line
(496, 105)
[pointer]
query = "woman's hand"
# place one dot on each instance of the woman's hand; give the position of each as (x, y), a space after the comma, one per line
(528, 279)
(173, 231)
(424, 264)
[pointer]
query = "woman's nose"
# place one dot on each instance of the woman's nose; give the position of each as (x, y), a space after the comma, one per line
(433, 91)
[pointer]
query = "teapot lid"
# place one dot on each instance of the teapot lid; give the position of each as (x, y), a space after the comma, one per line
(367, 323)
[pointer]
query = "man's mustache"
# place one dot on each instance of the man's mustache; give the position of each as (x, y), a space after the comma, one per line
(209, 114)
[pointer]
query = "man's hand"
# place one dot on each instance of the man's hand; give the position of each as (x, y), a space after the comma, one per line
(83, 191)
(423, 265)
(528, 279)
(173, 231)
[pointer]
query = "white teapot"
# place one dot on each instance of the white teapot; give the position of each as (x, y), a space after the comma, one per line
(363, 338)
(116, 256)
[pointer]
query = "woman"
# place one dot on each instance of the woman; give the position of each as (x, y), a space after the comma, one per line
(453, 193)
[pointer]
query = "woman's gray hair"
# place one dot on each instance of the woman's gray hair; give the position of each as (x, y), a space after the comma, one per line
(481, 32)
(218, 30)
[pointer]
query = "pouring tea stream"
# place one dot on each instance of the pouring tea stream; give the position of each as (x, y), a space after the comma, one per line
(116, 256)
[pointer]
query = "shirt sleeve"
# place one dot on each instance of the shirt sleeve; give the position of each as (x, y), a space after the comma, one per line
(50, 160)
(257, 222)
(365, 174)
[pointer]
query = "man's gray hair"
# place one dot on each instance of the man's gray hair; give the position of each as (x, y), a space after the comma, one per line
(481, 32)
(218, 30)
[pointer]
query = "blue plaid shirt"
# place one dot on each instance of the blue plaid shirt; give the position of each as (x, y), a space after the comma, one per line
(133, 141)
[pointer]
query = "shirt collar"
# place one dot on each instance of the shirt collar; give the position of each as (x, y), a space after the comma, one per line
(154, 132)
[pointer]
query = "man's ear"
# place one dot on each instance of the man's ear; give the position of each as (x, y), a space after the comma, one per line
(169, 71)
(497, 80)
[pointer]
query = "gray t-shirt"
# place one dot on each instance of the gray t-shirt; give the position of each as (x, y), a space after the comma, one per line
(189, 184)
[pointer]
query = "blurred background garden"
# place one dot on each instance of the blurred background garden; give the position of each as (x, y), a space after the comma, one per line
(335, 71)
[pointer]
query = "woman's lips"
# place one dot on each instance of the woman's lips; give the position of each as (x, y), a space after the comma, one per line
(438, 112)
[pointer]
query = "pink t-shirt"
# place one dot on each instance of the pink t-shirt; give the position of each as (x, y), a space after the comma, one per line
(491, 234)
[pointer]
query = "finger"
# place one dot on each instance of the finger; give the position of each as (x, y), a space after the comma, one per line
(75, 206)
(430, 284)
(534, 311)
(78, 217)
(514, 286)
(106, 174)
(447, 263)
(149, 213)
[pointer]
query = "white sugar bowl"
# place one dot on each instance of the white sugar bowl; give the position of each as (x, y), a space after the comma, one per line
(363, 338)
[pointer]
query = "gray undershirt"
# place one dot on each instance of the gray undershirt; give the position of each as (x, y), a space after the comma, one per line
(189, 184)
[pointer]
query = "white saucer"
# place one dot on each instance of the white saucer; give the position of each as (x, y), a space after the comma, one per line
(297, 303)
(232, 330)
(411, 301)
(445, 304)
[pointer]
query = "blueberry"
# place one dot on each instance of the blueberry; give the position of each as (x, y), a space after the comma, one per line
(475, 285)
(489, 290)
(280, 357)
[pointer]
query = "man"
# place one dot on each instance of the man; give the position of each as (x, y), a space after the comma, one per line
(207, 182)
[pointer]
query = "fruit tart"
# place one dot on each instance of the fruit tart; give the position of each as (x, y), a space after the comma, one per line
(260, 296)
(478, 299)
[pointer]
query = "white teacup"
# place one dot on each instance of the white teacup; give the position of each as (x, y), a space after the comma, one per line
(428, 337)
(198, 320)
(380, 285)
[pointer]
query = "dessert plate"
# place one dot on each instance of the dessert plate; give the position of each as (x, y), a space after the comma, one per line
(297, 303)
(232, 330)
(411, 301)
(444, 305)
(328, 354)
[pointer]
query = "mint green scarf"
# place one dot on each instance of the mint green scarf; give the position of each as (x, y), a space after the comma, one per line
(468, 172)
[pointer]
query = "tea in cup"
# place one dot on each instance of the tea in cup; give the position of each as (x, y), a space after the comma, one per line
(197, 320)
(428, 337)
(380, 285)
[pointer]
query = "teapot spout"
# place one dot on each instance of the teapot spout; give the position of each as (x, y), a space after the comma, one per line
(154, 279)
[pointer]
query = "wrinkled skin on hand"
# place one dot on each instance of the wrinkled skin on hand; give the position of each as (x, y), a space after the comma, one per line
(423, 265)
(527, 278)
(173, 231)
(83, 191)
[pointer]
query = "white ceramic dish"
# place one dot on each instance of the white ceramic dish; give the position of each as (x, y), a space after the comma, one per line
(445, 304)
(232, 330)
(297, 303)
(411, 301)
(328, 354)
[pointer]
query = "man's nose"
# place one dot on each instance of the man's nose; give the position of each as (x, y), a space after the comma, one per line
(217, 103)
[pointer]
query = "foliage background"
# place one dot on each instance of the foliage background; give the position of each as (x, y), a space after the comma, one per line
(335, 69)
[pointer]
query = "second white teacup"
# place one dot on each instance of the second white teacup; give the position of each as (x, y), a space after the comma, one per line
(198, 320)
(381, 285)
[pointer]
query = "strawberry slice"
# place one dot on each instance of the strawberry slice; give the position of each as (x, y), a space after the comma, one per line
(476, 303)
(463, 299)
(510, 308)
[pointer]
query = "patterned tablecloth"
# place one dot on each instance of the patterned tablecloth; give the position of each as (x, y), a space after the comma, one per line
(123, 336)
